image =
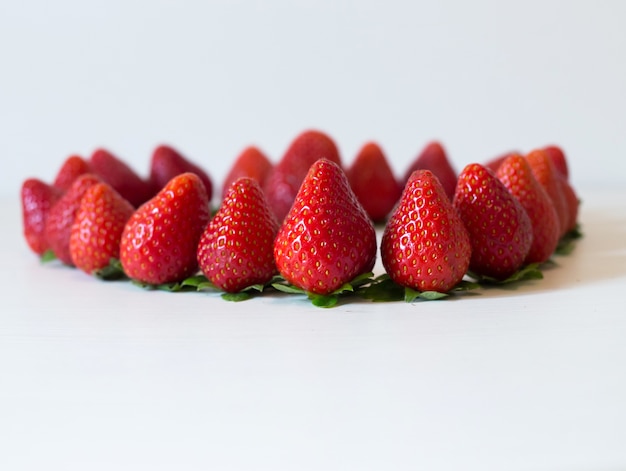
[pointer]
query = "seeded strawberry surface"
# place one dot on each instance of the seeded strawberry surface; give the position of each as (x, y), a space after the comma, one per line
(97, 229)
(425, 245)
(327, 239)
(235, 250)
(160, 239)
(37, 198)
(500, 231)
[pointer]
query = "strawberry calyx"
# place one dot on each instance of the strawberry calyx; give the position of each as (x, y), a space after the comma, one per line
(113, 271)
(202, 283)
(384, 289)
(325, 300)
(532, 271)
(567, 243)
(48, 256)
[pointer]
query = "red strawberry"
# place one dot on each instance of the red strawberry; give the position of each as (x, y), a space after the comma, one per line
(37, 199)
(97, 229)
(251, 163)
(499, 229)
(284, 181)
(547, 176)
(167, 163)
(121, 177)
(373, 182)
(61, 216)
(425, 245)
(160, 239)
(327, 239)
(73, 167)
(571, 202)
(518, 177)
(494, 163)
(236, 248)
(557, 156)
(434, 158)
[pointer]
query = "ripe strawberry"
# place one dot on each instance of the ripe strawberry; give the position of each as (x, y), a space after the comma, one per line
(160, 239)
(373, 182)
(235, 250)
(499, 229)
(250, 163)
(327, 239)
(518, 177)
(37, 198)
(571, 202)
(494, 163)
(166, 163)
(97, 228)
(425, 245)
(557, 156)
(61, 216)
(121, 177)
(284, 180)
(434, 158)
(73, 167)
(547, 176)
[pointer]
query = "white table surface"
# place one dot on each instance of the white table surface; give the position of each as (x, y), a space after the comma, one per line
(106, 376)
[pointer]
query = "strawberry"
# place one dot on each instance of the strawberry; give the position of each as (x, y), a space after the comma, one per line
(97, 228)
(73, 167)
(495, 162)
(121, 177)
(284, 180)
(571, 202)
(425, 245)
(434, 158)
(327, 238)
(515, 173)
(37, 198)
(235, 250)
(558, 158)
(499, 229)
(547, 176)
(250, 163)
(61, 216)
(160, 239)
(166, 163)
(373, 182)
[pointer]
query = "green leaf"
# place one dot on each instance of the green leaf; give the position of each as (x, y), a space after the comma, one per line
(113, 271)
(361, 280)
(531, 271)
(325, 301)
(383, 289)
(47, 256)
(287, 288)
(195, 281)
(465, 285)
(237, 297)
(432, 295)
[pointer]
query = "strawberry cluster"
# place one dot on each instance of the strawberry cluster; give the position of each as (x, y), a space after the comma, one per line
(306, 224)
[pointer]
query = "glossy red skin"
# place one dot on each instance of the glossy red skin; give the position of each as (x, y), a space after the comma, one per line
(166, 163)
(559, 160)
(97, 228)
(547, 176)
(425, 245)
(61, 216)
(37, 197)
(121, 177)
(373, 182)
(499, 229)
(571, 202)
(434, 158)
(495, 163)
(250, 163)
(236, 248)
(515, 173)
(285, 178)
(327, 238)
(73, 167)
(160, 239)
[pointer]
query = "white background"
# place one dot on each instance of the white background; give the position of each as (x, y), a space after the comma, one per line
(211, 77)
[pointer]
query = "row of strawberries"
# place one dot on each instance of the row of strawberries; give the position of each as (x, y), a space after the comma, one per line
(305, 218)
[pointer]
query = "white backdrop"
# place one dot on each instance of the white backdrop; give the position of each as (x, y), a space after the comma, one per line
(212, 77)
